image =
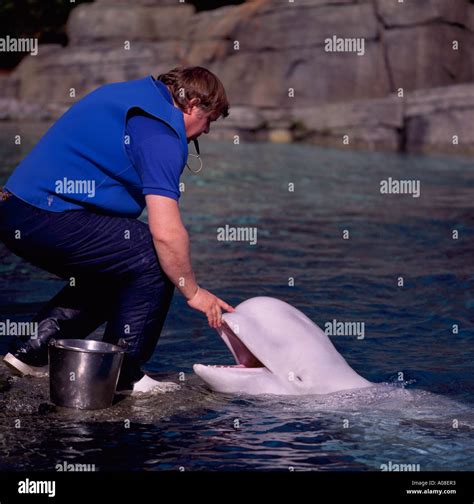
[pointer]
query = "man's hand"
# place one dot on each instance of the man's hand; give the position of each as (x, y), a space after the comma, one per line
(211, 305)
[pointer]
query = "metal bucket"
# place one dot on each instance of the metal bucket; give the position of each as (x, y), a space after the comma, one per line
(83, 374)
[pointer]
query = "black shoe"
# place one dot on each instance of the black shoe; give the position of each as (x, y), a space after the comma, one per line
(29, 356)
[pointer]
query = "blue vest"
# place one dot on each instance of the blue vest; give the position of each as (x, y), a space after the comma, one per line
(81, 161)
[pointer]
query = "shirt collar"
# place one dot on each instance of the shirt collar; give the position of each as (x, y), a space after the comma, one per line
(164, 91)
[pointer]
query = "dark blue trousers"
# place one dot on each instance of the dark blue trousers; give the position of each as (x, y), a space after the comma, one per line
(113, 276)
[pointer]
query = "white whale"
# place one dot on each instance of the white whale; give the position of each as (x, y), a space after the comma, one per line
(278, 350)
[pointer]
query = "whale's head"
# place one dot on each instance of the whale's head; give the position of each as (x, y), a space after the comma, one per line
(277, 350)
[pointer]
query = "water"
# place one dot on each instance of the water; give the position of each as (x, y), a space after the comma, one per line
(423, 411)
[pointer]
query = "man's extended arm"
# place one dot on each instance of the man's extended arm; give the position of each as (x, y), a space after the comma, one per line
(172, 246)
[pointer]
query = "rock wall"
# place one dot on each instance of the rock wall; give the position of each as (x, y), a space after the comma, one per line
(271, 56)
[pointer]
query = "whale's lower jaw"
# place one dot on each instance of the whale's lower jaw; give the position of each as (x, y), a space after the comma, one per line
(257, 381)
(239, 380)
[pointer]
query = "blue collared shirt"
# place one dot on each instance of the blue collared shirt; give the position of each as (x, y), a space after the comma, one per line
(91, 159)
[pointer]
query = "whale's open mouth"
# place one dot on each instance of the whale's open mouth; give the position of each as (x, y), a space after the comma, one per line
(243, 356)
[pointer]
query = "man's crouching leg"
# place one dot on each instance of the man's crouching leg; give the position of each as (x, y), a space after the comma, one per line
(142, 304)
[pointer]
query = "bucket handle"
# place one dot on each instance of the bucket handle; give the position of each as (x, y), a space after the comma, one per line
(122, 343)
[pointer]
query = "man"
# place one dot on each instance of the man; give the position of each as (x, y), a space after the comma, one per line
(71, 208)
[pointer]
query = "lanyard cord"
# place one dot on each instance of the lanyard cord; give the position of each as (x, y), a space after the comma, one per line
(198, 155)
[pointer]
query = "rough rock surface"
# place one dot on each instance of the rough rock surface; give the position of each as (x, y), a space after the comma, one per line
(271, 56)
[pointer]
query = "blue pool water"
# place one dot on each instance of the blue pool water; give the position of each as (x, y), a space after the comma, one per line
(422, 414)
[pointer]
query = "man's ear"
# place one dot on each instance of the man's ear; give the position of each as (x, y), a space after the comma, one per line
(194, 102)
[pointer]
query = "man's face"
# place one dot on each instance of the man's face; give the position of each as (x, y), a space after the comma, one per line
(197, 122)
